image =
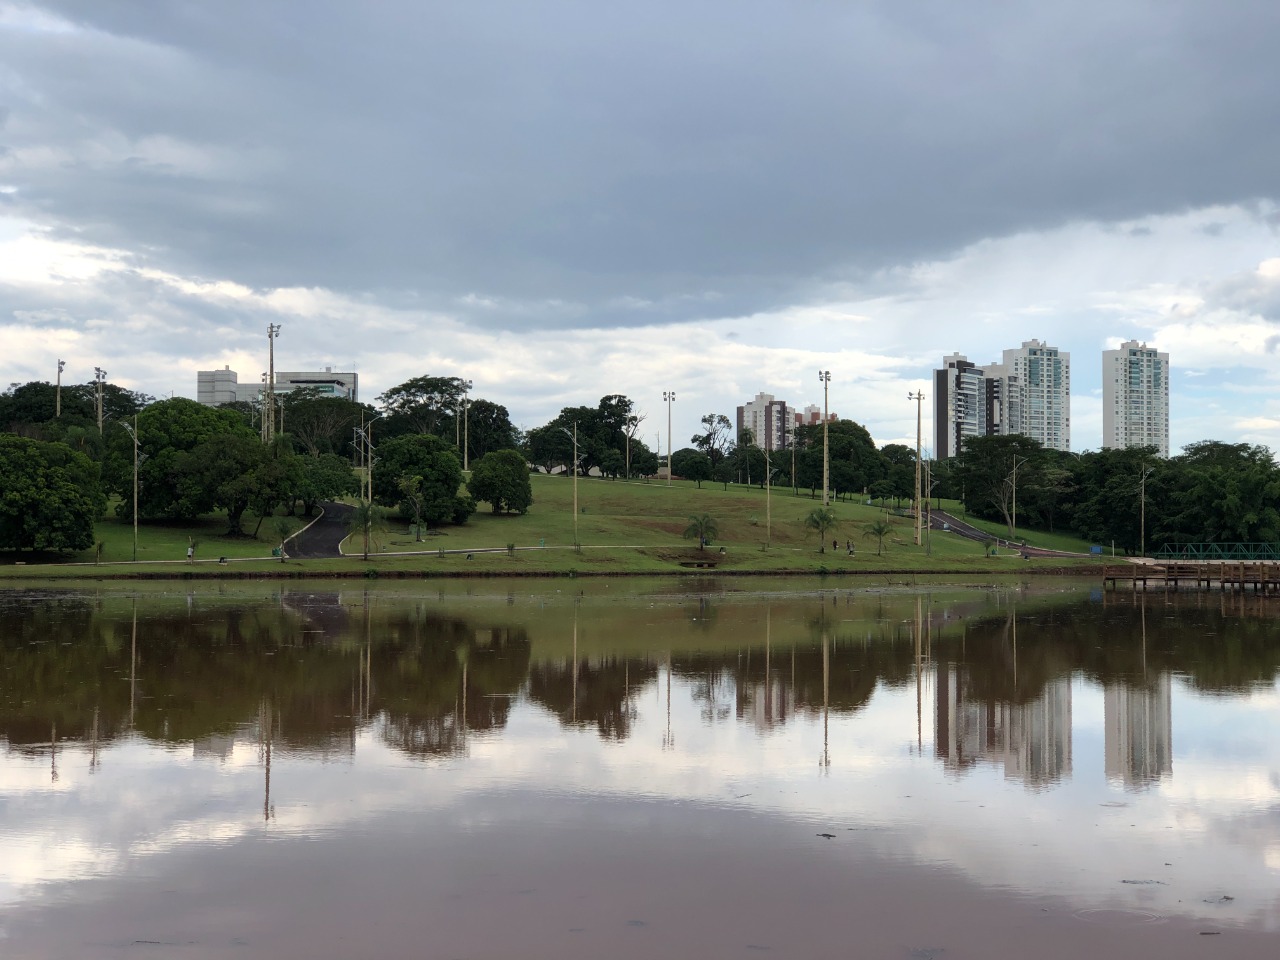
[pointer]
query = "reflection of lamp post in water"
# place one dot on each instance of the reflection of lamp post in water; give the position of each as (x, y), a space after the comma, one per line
(826, 699)
(667, 741)
(574, 437)
(919, 670)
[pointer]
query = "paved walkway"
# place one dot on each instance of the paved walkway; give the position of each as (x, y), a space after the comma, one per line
(321, 539)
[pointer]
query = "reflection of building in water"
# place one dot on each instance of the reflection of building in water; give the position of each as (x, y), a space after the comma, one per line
(1032, 740)
(215, 746)
(1139, 732)
(766, 704)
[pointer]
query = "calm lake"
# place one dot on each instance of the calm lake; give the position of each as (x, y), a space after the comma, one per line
(641, 768)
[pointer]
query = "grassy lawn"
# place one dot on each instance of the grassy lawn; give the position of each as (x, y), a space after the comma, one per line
(623, 527)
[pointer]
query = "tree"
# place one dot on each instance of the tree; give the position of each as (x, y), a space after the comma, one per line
(878, 529)
(986, 467)
(49, 496)
(701, 528)
(691, 465)
(221, 473)
(322, 424)
(501, 479)
(429, 458)
(167, 431)
(488, 428)
(714, 440)
(367, 522)
(423, 405)
(325, 477)
(821, 520)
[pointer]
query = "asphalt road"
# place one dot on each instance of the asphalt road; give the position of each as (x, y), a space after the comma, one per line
(321, 539)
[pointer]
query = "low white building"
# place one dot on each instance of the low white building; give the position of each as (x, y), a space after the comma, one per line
(216, 387)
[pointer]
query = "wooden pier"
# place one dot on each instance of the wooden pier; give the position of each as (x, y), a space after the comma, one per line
(1226, 575)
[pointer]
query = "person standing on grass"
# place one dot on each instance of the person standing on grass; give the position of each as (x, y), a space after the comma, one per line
(191, 552)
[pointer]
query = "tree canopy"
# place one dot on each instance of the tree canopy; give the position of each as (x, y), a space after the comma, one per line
(501, 479)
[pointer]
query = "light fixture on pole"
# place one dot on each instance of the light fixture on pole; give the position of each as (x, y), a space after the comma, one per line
(466, 426)
(825, 377)
(918, 396)
(670, 397)
(1142, 486)
(273, 331)
(574, 437)
(99, 377)
(57, 397)
(365, 433)
(1013, 481)
(133, 432)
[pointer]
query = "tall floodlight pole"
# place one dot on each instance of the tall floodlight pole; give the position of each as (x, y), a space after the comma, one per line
(918, 396)
(825, 377)
(768, 493)
(466, 426)
(273, 331)
(670, 397)
(100, 377)
(57, 397)
(133, 432)
(574, 436)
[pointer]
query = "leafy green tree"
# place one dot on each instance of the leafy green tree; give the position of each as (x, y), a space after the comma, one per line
(431, 459)
(325, 477)
(821, 520)
(323, 424)
(900, 471)
(49, 496)
(986, 468)
(613, 464)
(501, 479)
(690, 464)
(222, 473)
(423, 405)
(168, 430)
(703, 528)
(877, 530)
(488, 428)
(715, 437)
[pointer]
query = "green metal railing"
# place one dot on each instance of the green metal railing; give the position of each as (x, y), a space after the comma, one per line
(1218, 551)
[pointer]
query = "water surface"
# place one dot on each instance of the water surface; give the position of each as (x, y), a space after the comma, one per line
(680, 768)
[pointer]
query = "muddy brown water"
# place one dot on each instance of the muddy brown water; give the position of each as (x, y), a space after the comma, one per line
(698, 768)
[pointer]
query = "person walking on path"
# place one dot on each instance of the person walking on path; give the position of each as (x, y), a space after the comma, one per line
(191, 551)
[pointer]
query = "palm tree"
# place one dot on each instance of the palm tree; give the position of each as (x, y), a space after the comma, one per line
(702, 528)
(822, 520)
(879, 529)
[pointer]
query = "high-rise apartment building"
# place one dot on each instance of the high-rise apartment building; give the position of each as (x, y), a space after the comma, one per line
(972, 401)
(768, 419)
(1135, 397)
(1044, 379)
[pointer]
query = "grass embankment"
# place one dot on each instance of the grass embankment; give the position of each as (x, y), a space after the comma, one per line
(624, 528)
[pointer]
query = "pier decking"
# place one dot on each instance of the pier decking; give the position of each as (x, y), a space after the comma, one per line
(1260, 576)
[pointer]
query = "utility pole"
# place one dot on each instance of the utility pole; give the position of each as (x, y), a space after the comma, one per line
(273, 331)
(1014, 481)
(100, 377)
(574, 437)
(57, 397)
(670, 397)
(825, 377)
(1146, 472)
(918, 396)
(133, 432)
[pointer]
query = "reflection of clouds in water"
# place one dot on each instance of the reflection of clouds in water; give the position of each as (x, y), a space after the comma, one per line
(145, 800)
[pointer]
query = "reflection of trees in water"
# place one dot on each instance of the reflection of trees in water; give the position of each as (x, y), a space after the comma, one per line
(596, 690)
(203, 671)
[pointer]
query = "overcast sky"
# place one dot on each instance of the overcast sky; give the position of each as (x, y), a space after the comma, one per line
(566, 198)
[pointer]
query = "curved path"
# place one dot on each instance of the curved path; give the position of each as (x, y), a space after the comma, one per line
(968, 531)
(321, 538)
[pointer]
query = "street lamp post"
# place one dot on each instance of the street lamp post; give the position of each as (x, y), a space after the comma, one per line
(918, 396)
(1142, 486)
(365, 433)
(57, 396)
(768, 504)
(269, 426)
(99, 377)
(574, 436)
(1013, 480)
(670, 397)
(133, 432)
(466, 426)
(825, 377)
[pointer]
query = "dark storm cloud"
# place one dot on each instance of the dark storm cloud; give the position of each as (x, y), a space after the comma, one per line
(654, 161)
